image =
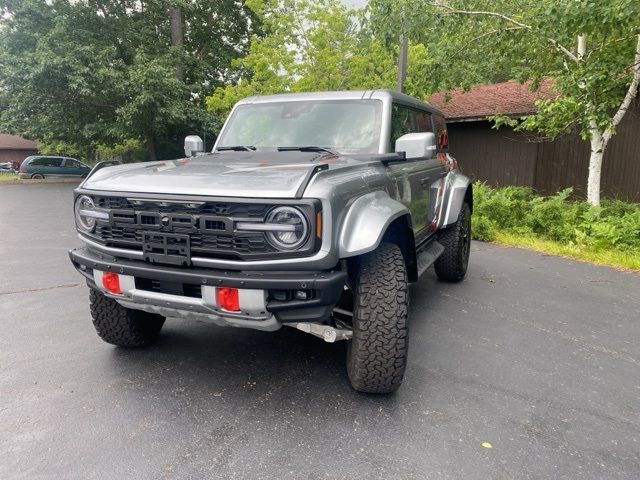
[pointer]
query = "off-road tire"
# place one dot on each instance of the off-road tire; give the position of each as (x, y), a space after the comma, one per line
(37, 176)
(122, 326)
(377, 353)
(451, 266)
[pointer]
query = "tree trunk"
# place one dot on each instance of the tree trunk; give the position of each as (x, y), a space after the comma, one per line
(595, 169)
(177, 36)
(151, 148)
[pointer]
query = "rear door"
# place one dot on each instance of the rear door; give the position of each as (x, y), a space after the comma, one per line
(415, 178)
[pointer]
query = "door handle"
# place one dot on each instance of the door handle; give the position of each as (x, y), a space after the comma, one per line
(425, 181)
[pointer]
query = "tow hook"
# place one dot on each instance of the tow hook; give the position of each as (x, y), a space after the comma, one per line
(326, 332)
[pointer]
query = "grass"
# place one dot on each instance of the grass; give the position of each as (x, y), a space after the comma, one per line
(610, 257)
(559, 224)
(7, 177)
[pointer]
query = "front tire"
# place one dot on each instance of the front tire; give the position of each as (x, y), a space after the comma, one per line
(377, 353)
(122, 326)
(451, 266)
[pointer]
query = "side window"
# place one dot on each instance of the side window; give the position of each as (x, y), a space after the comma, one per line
(52, 162)
(70, 162)
(423, 121)
(37, 162)
(407, 120)
(441, 134)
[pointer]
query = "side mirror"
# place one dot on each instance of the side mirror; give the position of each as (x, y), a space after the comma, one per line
(417, 145)
(193, 145)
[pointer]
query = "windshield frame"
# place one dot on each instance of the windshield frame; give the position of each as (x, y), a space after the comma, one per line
(380, 112)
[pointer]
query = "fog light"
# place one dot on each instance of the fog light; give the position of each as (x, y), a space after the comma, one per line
(111, 282)
(228, 299)
(301, 295)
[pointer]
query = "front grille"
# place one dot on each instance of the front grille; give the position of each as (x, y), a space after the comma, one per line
(236, 210)
(208, 224)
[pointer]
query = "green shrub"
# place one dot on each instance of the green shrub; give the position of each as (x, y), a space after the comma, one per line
(517, 210)
(483, 229)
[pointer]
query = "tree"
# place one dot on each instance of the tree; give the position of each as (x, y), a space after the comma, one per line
(103, 72)
(314, 46)
(591, 48)
(448, 58)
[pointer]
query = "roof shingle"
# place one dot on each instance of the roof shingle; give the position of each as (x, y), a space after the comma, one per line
(507, 98)
(14, 142)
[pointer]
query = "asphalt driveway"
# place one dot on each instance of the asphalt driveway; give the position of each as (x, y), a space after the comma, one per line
(537, 357)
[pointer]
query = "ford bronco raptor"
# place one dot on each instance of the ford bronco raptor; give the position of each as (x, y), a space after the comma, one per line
(313, 211)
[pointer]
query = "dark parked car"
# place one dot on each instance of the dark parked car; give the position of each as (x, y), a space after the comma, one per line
(39, 166)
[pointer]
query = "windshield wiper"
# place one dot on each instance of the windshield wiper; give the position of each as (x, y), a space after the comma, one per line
(306, 149)
(237, 148)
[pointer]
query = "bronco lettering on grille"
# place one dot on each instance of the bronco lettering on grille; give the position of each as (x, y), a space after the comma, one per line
(170, 222)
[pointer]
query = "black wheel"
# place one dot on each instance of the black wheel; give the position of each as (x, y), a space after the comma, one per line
(123, 326)
(377, 353)
(37, 176)
(451, 266)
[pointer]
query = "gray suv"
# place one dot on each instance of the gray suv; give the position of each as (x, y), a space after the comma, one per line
(313, 211)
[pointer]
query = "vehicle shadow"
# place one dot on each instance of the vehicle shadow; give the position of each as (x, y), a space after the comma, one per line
(247, 368)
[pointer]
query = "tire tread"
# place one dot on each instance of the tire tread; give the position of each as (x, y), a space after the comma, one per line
(377, 354)
(122, 326)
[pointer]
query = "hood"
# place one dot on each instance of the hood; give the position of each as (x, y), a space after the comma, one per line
(227, 174)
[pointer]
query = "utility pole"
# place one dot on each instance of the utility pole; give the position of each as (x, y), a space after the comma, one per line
(402, 56)
(177, 35)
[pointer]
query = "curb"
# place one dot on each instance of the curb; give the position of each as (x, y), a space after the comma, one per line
(37, 181)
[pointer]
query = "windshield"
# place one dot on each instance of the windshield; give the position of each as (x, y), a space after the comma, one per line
(345, 126)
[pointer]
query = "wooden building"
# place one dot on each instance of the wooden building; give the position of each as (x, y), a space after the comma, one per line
(15, 149)
(504, 157)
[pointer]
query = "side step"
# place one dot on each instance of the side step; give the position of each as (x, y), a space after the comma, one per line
(428, 255)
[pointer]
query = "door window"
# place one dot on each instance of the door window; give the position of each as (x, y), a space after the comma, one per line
(51, 162)
(408, 120)
(70, 162)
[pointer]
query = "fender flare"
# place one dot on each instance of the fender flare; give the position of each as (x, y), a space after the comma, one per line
(461, 189)
(366, 222)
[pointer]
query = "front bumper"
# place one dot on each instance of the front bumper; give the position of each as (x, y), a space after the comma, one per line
(326, 287)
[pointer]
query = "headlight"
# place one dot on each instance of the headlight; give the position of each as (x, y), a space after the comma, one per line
(85, 214)
(290, 228)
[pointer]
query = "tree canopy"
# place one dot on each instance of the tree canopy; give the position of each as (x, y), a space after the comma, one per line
(103, 72)
(317, 45)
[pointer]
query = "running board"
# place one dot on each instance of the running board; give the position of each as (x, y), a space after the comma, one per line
(428, 255)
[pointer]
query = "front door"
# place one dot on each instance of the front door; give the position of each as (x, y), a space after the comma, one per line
(418, 180)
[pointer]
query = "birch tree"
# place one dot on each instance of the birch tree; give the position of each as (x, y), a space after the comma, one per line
(590, 48)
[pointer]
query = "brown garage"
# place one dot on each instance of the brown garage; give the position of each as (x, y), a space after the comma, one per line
(15, 149)
(505, 157)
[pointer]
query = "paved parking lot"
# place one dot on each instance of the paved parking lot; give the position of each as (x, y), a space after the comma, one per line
(536, 356)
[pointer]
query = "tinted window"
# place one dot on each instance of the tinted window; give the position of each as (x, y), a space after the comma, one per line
(52, 162)
(37, 162)
(441, 134)
(407, 120)
(70, 162)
